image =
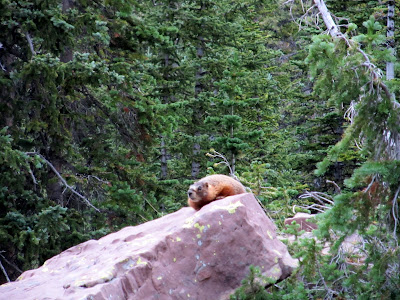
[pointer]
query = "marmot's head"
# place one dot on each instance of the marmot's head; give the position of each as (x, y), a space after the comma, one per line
(198, 191)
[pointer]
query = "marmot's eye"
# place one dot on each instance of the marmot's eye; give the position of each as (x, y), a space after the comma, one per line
(199, 189)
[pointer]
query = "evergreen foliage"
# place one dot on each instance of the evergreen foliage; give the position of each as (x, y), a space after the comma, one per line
(345, 71)
(109, 109)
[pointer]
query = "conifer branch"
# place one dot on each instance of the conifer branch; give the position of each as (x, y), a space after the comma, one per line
(63, 181)
(331, 293)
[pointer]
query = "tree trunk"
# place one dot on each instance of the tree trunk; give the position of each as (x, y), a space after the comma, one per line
(326, 16)
(197, 90)
(195, 164)
(233, 157)
(395, 138)
(67, 54)
(164, 161)
(390, 41)
(392, 138)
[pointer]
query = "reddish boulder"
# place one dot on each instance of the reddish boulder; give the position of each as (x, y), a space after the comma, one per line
(186, 254)
(303, 220)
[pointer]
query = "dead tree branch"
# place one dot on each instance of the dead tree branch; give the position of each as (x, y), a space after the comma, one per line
(320, 197)
(10, 263)
(30, 43)
(63, 181)
(376, 73)
(4, 272)
(224, 161)
(326, 16)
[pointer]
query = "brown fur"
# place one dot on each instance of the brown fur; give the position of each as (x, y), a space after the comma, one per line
(212, 188)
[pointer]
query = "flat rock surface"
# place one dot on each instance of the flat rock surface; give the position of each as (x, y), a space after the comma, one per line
(183, 255)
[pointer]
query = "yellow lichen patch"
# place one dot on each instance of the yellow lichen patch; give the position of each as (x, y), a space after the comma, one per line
(199, 227)
(174, 259)
(129, 263)
(276, 259)
(198, 236)
(178, 239)
(159, 277)
(219, 222)
(231, 208)
(140, 262)
(46, 269)
(270, 235)
(208, 225)
(188, 295)
(189, 222)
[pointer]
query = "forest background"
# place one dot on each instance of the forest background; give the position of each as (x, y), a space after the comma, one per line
(111, 108)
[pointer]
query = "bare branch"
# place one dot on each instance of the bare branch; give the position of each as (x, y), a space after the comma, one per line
(320, 197)
(224, 161)
(33, 177)
(371, 183)
(64, 182)
(10, 263)
(338, 189)
(395, 213)
(376, 73)
(326, 16)
(4, 272)
(148, 202)
(317, 207)
(30, 43)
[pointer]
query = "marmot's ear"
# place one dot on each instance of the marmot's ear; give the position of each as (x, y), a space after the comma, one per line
(206, 184)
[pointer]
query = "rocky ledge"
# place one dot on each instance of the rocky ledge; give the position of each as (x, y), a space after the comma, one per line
(183, 255)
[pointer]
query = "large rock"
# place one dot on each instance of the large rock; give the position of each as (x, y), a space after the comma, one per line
(303, 220)
(184, 255)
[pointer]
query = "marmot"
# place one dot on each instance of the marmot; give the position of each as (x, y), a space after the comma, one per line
(212, 188)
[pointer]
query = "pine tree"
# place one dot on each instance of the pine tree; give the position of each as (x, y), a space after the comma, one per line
(79, 109)
(344, 67)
